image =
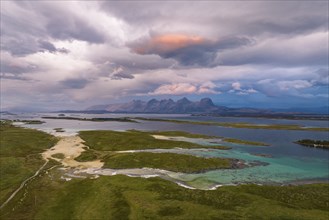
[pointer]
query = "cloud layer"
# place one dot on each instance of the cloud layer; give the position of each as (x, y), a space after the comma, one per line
(58, 55)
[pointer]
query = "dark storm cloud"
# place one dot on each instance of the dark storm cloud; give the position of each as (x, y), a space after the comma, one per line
(64, 25)
(47, 46)
(77, 83)
(269, 48)
(273, 59)
(19, 46)
(250, 18)
(321, 77)
(68, 28)
(21, 36)
(187, 50)
(133, 63)
(296, 25)
(279, 54)
(307, 49)
(122, 75)
(204, 54)
(29, 45)
(139, 11)
(258, 21)
(16, 69)
(14, 77)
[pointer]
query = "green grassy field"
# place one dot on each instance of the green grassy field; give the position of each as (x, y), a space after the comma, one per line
(239, 125)
(137, 140)
(122, 197)
(245, 142)
(102, 145)
(19, 155)
(166, 161)
(181, 134)
(124, 119)
(49, 197)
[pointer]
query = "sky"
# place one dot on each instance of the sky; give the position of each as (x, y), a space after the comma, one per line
(75, 54)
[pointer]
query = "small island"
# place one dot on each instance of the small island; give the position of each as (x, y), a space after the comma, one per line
(29, 122)
(59, 129)
(262, 155)
(238, 125)
(124, 119)
(314, 143)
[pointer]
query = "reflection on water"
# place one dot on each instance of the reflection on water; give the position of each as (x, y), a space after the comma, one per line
(289, 162)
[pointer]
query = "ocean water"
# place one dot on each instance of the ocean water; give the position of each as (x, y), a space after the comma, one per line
(289, 162)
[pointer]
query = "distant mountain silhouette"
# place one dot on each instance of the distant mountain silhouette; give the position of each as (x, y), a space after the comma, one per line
(6, 113)
(204, 107)
(183, 105)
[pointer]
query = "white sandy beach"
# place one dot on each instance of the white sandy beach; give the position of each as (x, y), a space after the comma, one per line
(71, 147)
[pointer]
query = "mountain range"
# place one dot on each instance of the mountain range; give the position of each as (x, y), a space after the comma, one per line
(185, 106)
(169, 106)
(204, 107)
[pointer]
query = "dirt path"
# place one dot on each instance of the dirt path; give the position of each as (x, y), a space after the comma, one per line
(23, 184)
(71, 147)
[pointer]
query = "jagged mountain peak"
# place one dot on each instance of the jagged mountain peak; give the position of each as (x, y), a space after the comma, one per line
(183, 105)
(183, 100)
(152, 101)
(207, 101)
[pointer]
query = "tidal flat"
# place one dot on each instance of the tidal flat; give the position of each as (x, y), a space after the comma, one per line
(53, 194)
(239, 125)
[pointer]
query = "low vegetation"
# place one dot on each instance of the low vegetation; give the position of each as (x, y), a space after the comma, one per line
(239, 125)
(30, 121)
(166, 161)
(314, 143)
(122, 197)
(245, 142)
(89, 155)
(136, 140)
(48, 196)
(104, 144)
(20, 158)
(181, 134)
(316, 117)
(59, 129)
(58, 156)
(125, 119)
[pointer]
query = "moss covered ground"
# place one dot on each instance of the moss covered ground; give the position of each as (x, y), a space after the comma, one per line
(239, 125)
(103, 144)
(48, 196)
(137, 140)
(322, 144)
(20, 155)
(122, 197)
(166, 161)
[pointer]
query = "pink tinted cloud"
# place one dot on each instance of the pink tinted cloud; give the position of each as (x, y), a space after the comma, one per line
(185, 88)
(166, 43)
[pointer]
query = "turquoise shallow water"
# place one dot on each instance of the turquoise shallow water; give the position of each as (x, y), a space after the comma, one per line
(279, 169)
(290, 162)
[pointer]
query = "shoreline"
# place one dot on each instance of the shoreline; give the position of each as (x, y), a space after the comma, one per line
(72, 146)
(75, 147)
(306, 182)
